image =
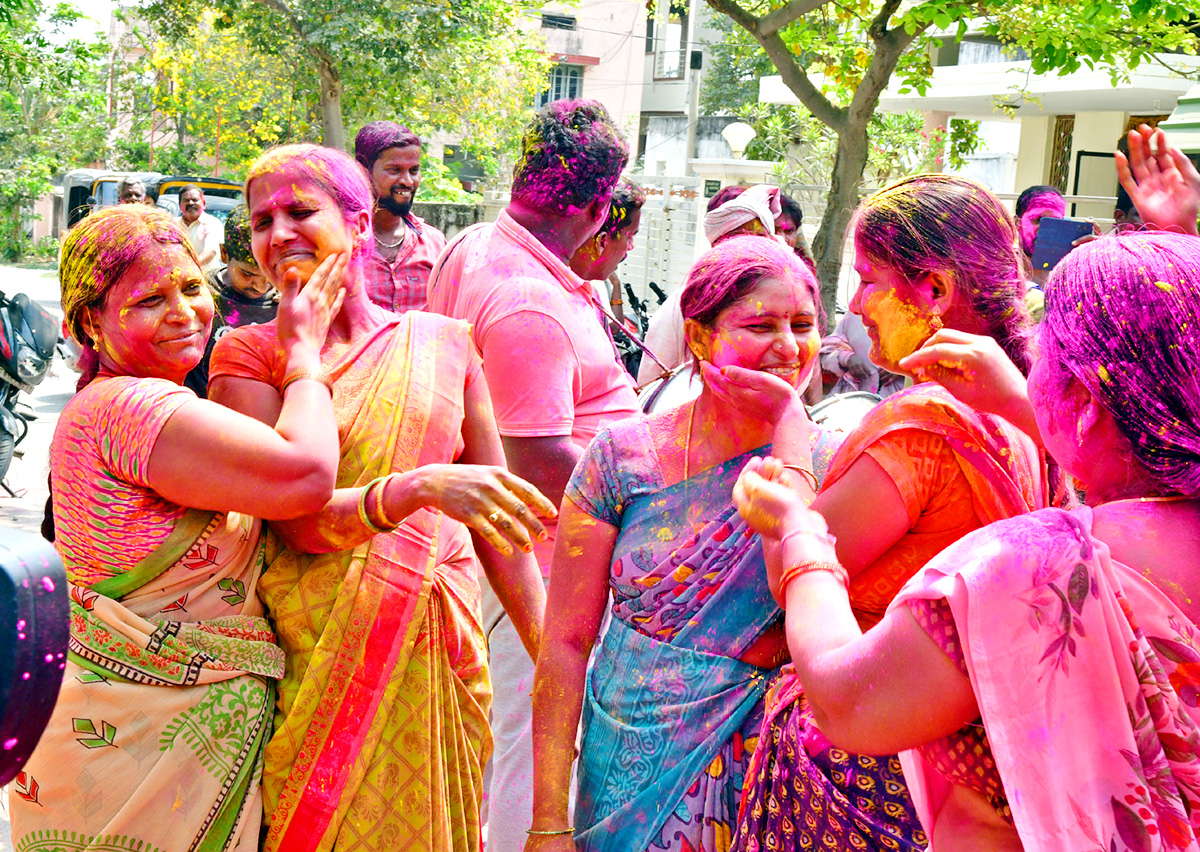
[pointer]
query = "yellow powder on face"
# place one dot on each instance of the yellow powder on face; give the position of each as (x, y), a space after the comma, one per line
(901, 326)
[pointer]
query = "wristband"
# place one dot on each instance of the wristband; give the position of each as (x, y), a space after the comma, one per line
(316, 374)
(379, 510)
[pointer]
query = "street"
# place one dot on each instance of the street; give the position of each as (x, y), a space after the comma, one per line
(27, 475)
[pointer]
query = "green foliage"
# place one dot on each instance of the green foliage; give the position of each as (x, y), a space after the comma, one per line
(429, 65)
(438, 182)
(51, 109)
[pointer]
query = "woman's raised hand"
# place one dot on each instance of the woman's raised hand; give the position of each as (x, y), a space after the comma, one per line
(975, 369)
(761, 395)
(501, 507)
(1164, 186)
(307, 309)
(766, 497)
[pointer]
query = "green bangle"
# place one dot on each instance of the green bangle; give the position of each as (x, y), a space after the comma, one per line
(362, 510)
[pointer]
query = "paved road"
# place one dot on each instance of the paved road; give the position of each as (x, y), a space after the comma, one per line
(27, 475)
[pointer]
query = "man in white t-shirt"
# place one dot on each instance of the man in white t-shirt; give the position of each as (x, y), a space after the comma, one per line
(206, 232)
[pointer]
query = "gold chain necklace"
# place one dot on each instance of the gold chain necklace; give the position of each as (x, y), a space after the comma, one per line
(687, 440)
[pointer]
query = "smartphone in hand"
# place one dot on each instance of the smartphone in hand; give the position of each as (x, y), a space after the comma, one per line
(1054, 240)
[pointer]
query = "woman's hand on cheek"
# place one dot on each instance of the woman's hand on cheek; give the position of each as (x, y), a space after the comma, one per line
(973, 367)
(761, 395)
(306, 309)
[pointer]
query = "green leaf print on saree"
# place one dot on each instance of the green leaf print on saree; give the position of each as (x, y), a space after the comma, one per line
(216, 727)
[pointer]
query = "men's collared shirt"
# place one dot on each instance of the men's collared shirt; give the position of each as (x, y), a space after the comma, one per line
(401, 285)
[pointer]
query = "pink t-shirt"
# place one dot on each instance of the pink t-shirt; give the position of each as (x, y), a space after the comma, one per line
(549, 363)
(401, 285)
(106, 517)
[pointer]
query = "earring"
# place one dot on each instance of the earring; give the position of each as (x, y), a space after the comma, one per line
(935, 322)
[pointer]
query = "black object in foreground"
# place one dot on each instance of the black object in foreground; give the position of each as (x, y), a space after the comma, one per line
(34, 624)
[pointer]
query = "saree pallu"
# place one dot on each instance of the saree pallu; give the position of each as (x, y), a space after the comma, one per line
(381, 729)
(669, 712)
(157, 738)
(803, 793)
(1087, 678)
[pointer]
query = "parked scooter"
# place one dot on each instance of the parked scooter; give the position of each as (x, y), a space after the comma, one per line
(28, 336)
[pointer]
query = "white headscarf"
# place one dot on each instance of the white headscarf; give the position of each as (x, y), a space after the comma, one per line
(758, 202)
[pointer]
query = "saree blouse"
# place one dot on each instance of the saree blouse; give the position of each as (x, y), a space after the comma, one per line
(106, 516)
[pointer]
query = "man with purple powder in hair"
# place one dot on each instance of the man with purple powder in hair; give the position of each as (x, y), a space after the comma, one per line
(406, 247)
(554, 376)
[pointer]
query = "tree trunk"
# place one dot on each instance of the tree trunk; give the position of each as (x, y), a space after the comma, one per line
(333, 131)
(849, 162)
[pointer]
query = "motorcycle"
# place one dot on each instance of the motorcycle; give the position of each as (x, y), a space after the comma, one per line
(28, 337)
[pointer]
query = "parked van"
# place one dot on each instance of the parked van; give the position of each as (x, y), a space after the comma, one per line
(85, 190)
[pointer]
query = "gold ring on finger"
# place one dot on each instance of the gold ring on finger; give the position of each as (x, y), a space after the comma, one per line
(494, 516)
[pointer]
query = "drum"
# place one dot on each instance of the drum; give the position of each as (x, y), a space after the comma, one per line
(844, 411)
(34, 624)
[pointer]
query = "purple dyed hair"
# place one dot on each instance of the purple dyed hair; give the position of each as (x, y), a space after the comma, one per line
(375, 138)
(571, 156)
(334, 172)
(1123, 317)
(943, 224)
(725, 193)
(729, 270)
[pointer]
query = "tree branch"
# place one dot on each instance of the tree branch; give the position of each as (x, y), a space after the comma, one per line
(794, 77)
(777, 19)
(889, 45)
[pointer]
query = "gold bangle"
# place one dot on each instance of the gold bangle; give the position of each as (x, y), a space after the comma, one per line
(362, 511)
(807, 567)
(380, 512)
(313, 373)
(812, 477)
(567, 830)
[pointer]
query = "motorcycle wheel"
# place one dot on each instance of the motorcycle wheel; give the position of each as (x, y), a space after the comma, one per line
(7, 443)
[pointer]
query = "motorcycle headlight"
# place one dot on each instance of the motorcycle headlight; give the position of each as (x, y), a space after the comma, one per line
(29, 366)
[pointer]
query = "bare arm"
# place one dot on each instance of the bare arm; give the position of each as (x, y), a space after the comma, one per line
(545, 462)
(468, 493)
(515, 578)
(860, 686)
(578, 594)
(865, 513)
(277, 470)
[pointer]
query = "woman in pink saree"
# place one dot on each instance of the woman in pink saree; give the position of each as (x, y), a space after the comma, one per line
(381, 729)
(1042, 672)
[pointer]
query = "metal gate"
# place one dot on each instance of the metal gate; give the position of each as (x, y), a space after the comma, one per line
(666, 244)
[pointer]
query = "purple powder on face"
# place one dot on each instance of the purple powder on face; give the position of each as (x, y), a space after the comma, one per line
(1121, 318)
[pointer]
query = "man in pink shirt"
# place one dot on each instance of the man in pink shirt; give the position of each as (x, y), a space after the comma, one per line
(406, 247)
(553, 373)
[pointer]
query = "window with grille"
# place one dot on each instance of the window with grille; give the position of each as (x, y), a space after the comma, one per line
(1060, 151)
(554, 21)
(566, 81)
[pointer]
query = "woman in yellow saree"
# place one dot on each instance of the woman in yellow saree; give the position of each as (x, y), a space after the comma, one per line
(156, 742)
(381, 724)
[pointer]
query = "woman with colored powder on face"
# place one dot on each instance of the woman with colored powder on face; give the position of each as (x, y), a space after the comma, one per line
(157, 738)
(679, 676)
(921, 471)
(1056, 705)
(382, 718)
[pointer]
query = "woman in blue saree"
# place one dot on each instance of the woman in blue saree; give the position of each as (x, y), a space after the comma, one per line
(675, 695)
